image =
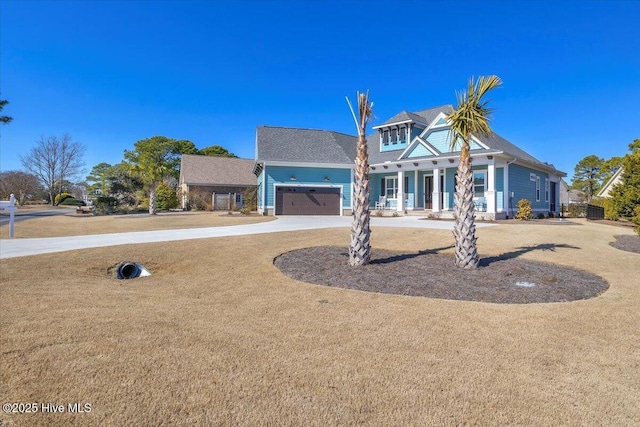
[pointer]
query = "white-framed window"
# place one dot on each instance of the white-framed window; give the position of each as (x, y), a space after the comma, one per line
(546, 189)
(391, 187)
(385, 137)
(479, 183)
(537, 188)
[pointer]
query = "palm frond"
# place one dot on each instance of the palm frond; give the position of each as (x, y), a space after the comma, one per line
(472, 114)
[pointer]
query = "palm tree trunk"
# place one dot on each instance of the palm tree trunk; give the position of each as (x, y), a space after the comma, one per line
(360, 247)
(464, 229)
(152, 199)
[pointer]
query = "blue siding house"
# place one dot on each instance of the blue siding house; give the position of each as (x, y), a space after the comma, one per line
(412, 168)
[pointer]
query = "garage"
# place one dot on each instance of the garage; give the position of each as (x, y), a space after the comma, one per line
(307, 201)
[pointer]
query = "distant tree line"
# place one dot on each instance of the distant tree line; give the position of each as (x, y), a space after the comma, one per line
(592, 172)
(54, 166)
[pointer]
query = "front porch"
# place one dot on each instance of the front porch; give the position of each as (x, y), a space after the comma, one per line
(430, 190)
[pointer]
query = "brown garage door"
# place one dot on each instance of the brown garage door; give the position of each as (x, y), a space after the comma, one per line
(307, 201)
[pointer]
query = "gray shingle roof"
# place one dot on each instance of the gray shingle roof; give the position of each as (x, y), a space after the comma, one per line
(321, 146)
(211, 170)
(304, 145)
(430, 114)
(404, 116)
(496, 142)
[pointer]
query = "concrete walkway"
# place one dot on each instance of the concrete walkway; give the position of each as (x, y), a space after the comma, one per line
(10, 248)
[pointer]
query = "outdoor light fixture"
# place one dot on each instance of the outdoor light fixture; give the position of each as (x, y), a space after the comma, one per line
(293, 178)
(434, 162)
(450, 160)
(326, 178)
(415, 163)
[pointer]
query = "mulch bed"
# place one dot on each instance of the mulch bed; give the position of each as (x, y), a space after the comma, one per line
(627, 243)
(504, 279)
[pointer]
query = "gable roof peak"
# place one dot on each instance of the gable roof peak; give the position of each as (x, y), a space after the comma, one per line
(431, 113)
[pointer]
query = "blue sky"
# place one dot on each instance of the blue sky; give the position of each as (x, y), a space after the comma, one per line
(113, 72)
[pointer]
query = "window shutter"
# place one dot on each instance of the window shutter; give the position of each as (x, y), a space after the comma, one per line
(406, 184)
(382, 188)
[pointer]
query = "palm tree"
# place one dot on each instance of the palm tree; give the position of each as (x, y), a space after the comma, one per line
(4, 119)
(470, 117)
(360, 247)
(152, 160)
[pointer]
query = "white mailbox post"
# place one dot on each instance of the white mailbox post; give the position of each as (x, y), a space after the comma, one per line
(10, 206)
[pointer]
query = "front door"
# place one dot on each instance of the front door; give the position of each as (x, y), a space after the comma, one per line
(428, 192)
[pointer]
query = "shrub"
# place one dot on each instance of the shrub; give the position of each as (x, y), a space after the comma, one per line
(200, 200)
(250, 199)
(610, 211)
(395, 213)
(144, 204)
(577, 210)
(541, 215)
(166, 197)
(379, 213)
(245, 211)
(636, 218)
(72, 201)
(61, 198)
(105, 205)
(524, 210)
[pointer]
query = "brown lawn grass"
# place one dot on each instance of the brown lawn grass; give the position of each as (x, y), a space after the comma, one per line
(73, 224)
(218, 336)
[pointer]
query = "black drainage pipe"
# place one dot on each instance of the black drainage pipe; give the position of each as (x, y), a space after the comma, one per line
(128, 270)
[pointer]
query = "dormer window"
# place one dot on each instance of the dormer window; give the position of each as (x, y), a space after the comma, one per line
(385, 137)
(394, 137)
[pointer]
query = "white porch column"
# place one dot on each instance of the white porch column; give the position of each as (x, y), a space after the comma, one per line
(436, 191)
(415, 189)
(491, 187)
(400, 204)
(507, 193)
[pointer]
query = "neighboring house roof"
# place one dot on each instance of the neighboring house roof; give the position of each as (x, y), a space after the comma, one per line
(577, 196)
(282, 144)
(209, 170)
(608, 186)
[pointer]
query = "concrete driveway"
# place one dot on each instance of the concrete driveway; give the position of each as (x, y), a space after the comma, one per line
(10, 248)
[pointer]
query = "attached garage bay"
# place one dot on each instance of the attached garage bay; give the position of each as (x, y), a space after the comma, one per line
(307, 201)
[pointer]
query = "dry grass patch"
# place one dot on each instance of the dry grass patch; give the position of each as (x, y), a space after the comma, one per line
(73, 224)
(218, 336)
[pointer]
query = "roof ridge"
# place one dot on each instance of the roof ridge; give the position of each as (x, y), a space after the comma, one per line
(311, 129)
(216, 157)
(439, 107)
